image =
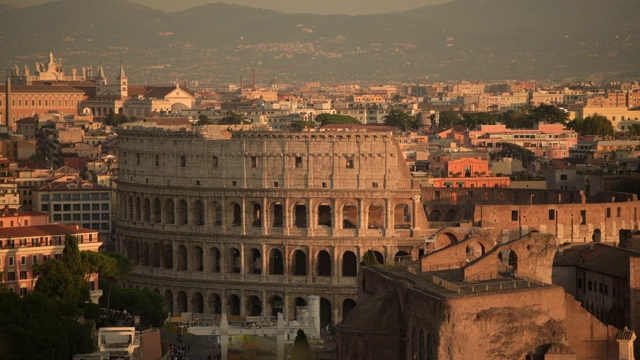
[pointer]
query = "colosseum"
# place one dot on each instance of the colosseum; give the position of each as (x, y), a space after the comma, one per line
(252, 222)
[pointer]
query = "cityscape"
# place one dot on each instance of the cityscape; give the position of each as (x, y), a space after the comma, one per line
(203, 197)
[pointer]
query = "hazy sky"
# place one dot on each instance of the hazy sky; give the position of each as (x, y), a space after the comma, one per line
(348, 7)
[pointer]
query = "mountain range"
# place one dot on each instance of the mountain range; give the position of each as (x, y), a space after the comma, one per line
(486, 40)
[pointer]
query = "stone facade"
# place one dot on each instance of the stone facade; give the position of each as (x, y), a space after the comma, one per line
(253, 223)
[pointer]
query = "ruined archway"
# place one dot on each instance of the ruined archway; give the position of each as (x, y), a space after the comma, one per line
(181, 302)
(144, 257)
(167, 255)
(155, 255)
(276, 262)
(324, 215)
(254, 261)
(237, 215)
(197, 303)
(349, 216)
(157, 211)
(277, 214)
(183, 212)
(300, 215)
(197, 259)
(169, 212)
(349, 264)
(402, 217)
(375, 216)
(197, 213)
(233, 304)
(474, 250)
(277, 306)
(254, 306)
(182, 258)
(168, 301)
(214, 303)
(450, 215)
(214, 259)
(347, 306)
(233, 257)
(324, 263)
(299, 263)
(256, 215)
(435, 215)
(597, 236)
(325, 312)
(379, 257)
(146, 210)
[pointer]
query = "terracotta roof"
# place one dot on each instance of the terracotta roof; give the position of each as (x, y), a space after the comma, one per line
(72, 185)
(597, 257)
(42, 230)
(148, 91)
(625, 334)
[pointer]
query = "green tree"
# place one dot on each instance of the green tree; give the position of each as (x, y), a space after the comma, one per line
(114, 119)
(326, 119)
(369, 258)
(634, 130)
(301, 125)
(518, 120)
(232, 119)
(301, 349)
(111, 275)
(592, 125)
(516, 152)
(549, 114)
(143, 302)
(401, 120)
(448, 118)
(203, 120)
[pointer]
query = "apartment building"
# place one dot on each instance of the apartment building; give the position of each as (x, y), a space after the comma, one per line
(71, 200)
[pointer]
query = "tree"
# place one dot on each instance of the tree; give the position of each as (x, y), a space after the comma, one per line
(301, 349)
(634, 130)
(448, 118)
(113, 274)
(325, 119)
(369, 258)
(549, 114)
(232, 119)
(516, 152)
(143, 302)
(401, 120)
(592, 125)
(114, 119)
(203, 120)
(301, 125)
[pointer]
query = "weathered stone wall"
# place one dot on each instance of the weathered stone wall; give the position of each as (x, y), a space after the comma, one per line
(256, 222)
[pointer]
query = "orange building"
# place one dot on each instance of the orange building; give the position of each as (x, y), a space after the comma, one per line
(27, 100)
(23, 246)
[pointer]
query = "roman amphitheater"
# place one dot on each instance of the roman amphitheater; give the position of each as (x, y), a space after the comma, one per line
(252, 222)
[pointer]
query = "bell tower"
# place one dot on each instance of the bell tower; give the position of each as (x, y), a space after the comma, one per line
(122, 79)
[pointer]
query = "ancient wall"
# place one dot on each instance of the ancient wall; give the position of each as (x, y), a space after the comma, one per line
(588, 338)
(252, 224)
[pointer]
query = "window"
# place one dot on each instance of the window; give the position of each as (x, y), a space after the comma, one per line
(233, 183)
(563, 177)
(298, 161)
(514, 215)
(76, 207)
(618, 212)
(57, 207)
(374, 185)
(275, 184)
(86, 207)
(552, 214)
(23, 260)
(583, 216)
(254, 161)
(10, 260)
(23, 274)
(95, 207)
(11, 276)
(589, 286)
(157, 159)
(214, 162)
(137, 159)
(104, 206)
(349, 163)
(324, 184)
(608, 212)
(23, 291)
(183, 161)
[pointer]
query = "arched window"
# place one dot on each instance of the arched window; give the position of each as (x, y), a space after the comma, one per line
(324, 263)
(349, 264)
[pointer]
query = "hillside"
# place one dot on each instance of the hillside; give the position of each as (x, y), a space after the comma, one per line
(463, 39)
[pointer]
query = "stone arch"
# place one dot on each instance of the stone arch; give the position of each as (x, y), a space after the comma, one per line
(254, 306)
(325, 312)
(256, 215)
(431, 348)
(301, 301)
(277, 215)
(402, 216)
(597, 236)
(347, 306)
(324, 263)
(214, 303)
(237, 215)
(508, 260)
(137, 208)
(349, 264)
(233, 257)
(146, 210)
(197, 213)
(156, 209)
(197, 261)
(155, 255)
(168, 301)
(421, 345)
(299, 263)
(277, 305)
(379, 256)
(197, 303)
(349, 216)
(183, 212)
(474, 250)
(144, 258)
(216, 213)
(130, 214)
(325, 214)
(233, 304)
(375, 215)
(435, 215)
(253, 261)
(445, 239)
(181, 302)
(276, 262)
(401, 256)
(214, 259)
(450, 215)
(136, 253)
(182, 258)
(169, 212)
(167, 255)
(300, 215)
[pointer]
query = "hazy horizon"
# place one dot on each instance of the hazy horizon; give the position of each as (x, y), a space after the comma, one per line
(326, 7)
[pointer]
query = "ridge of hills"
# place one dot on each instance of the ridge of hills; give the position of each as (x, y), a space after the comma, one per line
(460, 40)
